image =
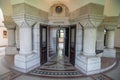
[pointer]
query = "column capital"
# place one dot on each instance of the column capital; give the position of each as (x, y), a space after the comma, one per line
(89, 25)
(110, 23)
(24, 23)
(9, 23)
(91, 21)
(110, 27)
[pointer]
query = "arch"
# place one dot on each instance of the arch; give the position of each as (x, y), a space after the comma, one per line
(1, 18)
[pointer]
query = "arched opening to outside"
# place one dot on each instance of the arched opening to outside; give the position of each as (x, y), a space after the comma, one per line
(60, 41)
(1, 18)
(3, 31)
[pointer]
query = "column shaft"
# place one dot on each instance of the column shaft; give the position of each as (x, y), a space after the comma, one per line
(11, 37)
(110, 38)
(89, 42)
(25, 40)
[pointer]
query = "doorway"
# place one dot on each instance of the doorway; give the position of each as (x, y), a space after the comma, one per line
(63, 40)
(72, 44)
(60, 40)
(43, 45)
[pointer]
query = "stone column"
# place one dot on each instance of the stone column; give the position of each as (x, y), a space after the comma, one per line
(25, 40)
(26, 59)
(110, 39)
(88, 62)
(89, 45)
(11, 48)
(109, 50)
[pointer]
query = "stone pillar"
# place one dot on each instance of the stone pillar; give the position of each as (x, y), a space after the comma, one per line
(109, 50)
(11, 48)
(26, 59)
(88, 62)
(25, 40)
(89, 45)
(110, 39)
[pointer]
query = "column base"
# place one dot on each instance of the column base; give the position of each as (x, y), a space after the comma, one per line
(109, 53)
(11, 51)
(88, 65)
(26, 62)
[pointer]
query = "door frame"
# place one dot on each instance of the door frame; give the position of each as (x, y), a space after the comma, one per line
(72, 26)
(42, 61)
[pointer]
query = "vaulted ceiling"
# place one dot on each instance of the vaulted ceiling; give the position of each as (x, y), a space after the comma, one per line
(45, 4)
(112, 7)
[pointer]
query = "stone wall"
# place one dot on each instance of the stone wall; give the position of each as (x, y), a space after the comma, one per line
(117, 38)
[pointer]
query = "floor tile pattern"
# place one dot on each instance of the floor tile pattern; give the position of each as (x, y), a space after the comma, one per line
(101, 77)
(10, 75)
(58, 66)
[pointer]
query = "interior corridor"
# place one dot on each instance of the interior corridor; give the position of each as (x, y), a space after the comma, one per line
(57, 66)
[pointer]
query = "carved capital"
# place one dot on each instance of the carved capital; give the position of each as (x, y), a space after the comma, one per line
(110, 23)
(20, 20)
(23, 24)
(110, 27)
(91, 21)
(9, 23)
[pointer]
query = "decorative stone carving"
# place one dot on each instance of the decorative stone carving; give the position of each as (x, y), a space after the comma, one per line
(63, 10)
(110, 27)
(9, 23)
(110, 23)
(58, 15)
(91, 21)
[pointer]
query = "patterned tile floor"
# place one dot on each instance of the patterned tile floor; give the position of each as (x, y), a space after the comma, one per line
(113, 74)
(10, 75)
(57, 66)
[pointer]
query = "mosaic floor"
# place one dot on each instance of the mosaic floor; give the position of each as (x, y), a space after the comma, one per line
(12, 74)
(59, 67)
